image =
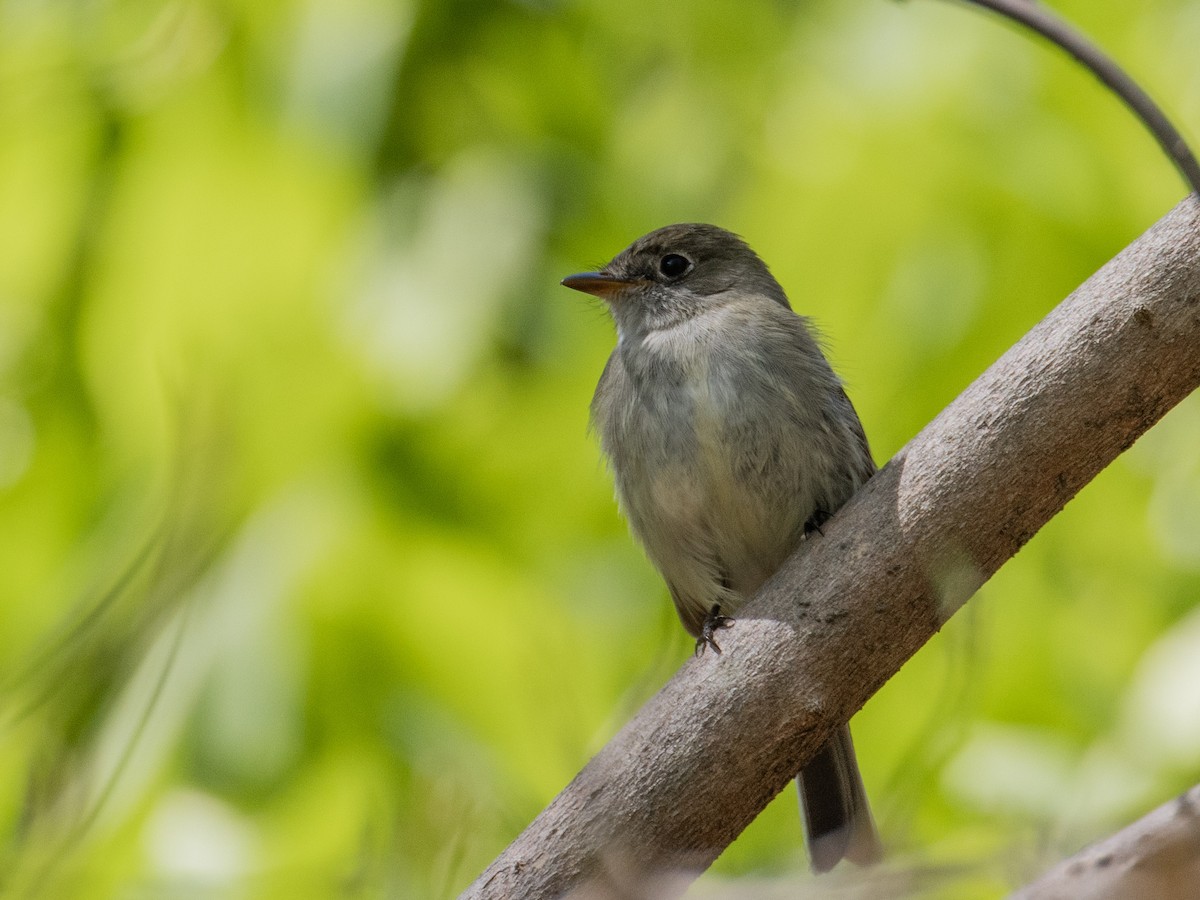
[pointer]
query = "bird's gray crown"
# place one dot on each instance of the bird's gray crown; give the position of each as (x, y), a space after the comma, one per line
(714, 262)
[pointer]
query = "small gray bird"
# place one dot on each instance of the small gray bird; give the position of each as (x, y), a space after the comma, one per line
(730, 439)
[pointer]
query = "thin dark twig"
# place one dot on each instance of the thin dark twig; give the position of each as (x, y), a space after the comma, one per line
(1054, 29)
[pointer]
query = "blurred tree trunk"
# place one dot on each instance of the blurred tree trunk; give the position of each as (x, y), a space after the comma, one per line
(1156, 856)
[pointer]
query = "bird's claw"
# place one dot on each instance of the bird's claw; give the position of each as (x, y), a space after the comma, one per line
(815, 521)
(712, 623)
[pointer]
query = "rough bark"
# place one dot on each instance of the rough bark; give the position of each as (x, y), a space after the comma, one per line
(1156, 856)
(727, 733)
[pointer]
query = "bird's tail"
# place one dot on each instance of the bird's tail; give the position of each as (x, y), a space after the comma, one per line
(837, 818)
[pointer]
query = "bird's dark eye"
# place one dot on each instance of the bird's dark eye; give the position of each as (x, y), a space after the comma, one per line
(673, 265)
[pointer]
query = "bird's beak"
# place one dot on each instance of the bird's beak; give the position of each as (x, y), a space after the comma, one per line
(599, 284)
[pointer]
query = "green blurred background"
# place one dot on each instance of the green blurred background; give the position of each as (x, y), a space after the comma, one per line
(312, 582)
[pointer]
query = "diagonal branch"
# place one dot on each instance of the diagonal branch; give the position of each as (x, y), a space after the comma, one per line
(1156, 856)
(727, 733)
(1042, 21)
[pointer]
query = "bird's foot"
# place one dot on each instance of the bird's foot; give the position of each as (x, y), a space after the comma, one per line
(815, 521)
(713, 622)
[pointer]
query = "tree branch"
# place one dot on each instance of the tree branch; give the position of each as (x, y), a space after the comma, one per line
(727, 733)
(1156, 856)
(1043, 22)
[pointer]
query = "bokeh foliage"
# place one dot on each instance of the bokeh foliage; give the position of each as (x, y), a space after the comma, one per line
(312, 580)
